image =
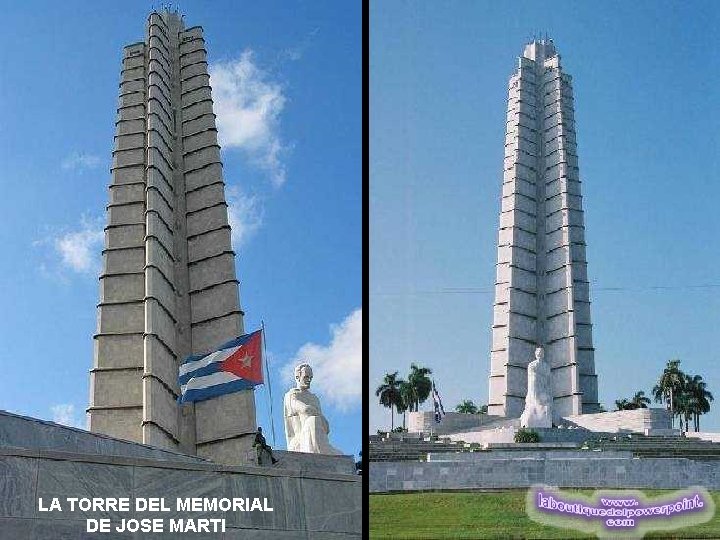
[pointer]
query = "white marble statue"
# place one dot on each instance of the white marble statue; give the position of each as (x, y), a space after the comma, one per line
(306, 429)
(538, 402)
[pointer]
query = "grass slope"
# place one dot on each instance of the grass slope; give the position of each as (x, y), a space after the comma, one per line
(484, 516)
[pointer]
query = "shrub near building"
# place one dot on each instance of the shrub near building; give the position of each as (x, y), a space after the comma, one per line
(527, 436)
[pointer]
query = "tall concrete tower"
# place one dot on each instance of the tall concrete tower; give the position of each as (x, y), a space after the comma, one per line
(168, 287)
(541, 292)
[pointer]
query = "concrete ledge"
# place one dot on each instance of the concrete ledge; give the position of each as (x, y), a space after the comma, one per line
(523, 447)
(315, 463)
(424, 422)
(659, 432)
(635, 421)
(705, 436)
(32, 434)
(469, 457)
(506, 435)
(197, 465)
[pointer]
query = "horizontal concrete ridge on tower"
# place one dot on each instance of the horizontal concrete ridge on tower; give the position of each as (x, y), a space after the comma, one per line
(168, 286)
(542, 291)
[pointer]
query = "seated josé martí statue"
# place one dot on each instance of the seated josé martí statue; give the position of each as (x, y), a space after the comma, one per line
(306, 428)
(538, 402)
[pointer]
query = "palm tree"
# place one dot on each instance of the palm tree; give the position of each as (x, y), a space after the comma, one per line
(700, 398)
(669, 385)
(640, 401)
(407, 398)
(622, 404)
(420, 382)
(408, 395)
(482, 409)
(466, 406)
(684, 404)
(389, 394)
(401, 408)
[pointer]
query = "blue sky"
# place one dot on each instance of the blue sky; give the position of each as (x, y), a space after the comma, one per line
(645, 78)
(291, 74)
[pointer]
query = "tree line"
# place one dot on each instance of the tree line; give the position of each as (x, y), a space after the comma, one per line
(404, 395)
(685, 396)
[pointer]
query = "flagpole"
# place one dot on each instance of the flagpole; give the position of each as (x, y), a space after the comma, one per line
(267, 375)
(432, 423)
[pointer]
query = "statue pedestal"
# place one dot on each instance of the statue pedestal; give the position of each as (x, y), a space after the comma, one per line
(536, 416)
(314, 463)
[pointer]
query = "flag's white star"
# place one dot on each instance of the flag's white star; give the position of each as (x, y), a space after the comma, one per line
(246, 360)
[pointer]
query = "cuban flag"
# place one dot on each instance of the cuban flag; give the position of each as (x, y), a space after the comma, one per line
(234, 366)
(437, 404)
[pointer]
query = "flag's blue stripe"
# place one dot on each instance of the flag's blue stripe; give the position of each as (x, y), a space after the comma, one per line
(202, 394)
(211, 368)
(232, 343)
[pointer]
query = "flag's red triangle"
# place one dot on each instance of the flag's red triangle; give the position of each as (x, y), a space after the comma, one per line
(246, 362)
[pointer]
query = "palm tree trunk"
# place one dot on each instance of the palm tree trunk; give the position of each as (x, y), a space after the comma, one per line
(392, 418)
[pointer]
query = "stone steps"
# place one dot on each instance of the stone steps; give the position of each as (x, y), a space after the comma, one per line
(662, 447)
(412, 449)
(403, 448)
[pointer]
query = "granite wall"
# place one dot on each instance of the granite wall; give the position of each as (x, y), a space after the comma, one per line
(573, 472)
(306, 505)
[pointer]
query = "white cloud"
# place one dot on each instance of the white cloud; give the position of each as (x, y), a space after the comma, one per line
(81, 160)
(296, 52)
(79, 250)
(248, 105)
(337, 367)
(245, 214)
(64, 414)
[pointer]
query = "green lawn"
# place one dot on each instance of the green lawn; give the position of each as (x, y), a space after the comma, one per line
(485, 515)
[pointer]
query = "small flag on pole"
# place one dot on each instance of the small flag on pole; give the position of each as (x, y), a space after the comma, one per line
(234, 366)
(437, 404)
